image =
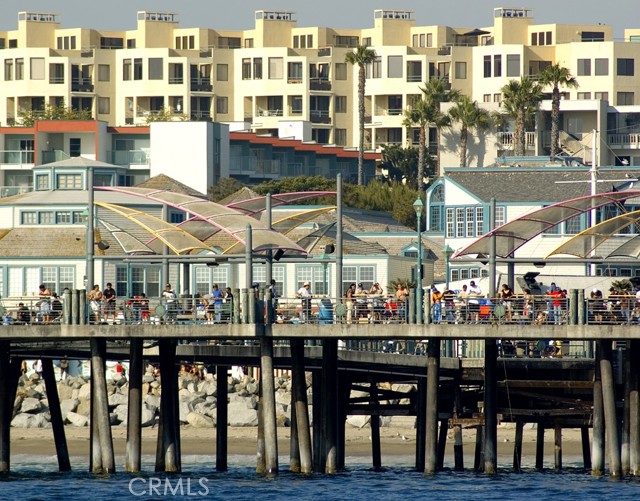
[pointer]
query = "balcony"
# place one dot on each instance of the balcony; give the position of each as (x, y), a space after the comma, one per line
(320, 83)
(176, 80)
(270, 113)
(626, 141)
(320, 117)
(9, 191)
(294, 80)
(201, 116)
(324, 52)
(56, 80)
(81, 84)
(50, 156)
(201, 84)
(505, 140)
(394, 112)
(129, 157)
(16, 157)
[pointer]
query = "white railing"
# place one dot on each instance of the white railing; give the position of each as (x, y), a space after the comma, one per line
(506, 139)
(624, 140)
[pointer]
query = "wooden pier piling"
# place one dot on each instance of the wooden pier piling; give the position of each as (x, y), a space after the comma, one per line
(6, 408)
(133, 460)
(540, 446)
(517, 446)
(57, 423)
(268, 408)
(609, 404)
(598, 435)
(329, 403)
(634, 408)
(101, 407)
(557, 447)
(431, 423)
(222, 417)
(299, 396)
(168, 433)
(421, 426)
(490, 407)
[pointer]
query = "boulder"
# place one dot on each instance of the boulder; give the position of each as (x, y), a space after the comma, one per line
(152, 401)
(283, 397)
(403, 388)
(199, 421)
(84, 408)
(31, 405)
(76, 419)
(241, 415)
(148, 417)
(116, 399)
(358, 421)
(69, 405)
(85, 391)
(64, 392)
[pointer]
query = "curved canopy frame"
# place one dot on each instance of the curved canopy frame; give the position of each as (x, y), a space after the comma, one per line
(514, 234)
(127, 242)
(179, 241)
(585, 242)
(230, 221)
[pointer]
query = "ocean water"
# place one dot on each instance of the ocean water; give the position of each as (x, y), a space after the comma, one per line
(35, 478)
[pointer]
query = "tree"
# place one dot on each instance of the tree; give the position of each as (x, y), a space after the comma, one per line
(166, 114)
(361, 56)
(421, 114)
(556, 76)
(470, 116)
(400, 163)
(434, 92)
(58, 112)
(520, 101)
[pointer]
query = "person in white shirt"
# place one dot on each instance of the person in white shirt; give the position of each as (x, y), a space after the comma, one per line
(305, 295)
(474, 301)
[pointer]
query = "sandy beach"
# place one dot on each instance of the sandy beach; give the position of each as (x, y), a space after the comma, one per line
(396, 441)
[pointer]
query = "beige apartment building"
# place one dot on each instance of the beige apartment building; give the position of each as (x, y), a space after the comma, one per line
(282, 79)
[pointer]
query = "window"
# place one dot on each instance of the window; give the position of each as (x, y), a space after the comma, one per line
(340, 104)
(222, 105)
(42, 182)
(155, 68)
(246, 69)
(296, 105)
(625, 67)
(137, 69)
(414, 71)
(394, 67)
(497, 65)
(340, 137)
(573, 225)
(429, 39)
(513, 65)
(309, 41)
(497, 97)
(486, 98)
(601, 66)
(487, 66)
(534, 39)
(222, 72)
(584, 67)
(460, 70)
(501, 216)
(356, 275)
(294, 70)
(549, 38)
(104, 73)
(134, 279)
(463, 222)
(104, 105)
(603, 96)
(315, 275)
(63, 217)
(8, 69)
(376, 67)
(624, 98)
(584, 95)
(28, 217)
(131, 44)
(37, 68)
(75, 147)
(257, 68)
(126, 69)
(69, 181)
(341, 71)
(593, 36)
(275, 68)
(277, 273)
(111, 43)
(19, 69)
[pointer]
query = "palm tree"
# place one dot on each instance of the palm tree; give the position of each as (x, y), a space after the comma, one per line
(418, 115)
(520, 101)
(361, 56)
(434, 92)
(470, 116)
(556, 76)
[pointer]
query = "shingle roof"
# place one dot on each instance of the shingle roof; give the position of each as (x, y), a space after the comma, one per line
(43, 242)
(242, 194)
(541, 185)
(164, 182)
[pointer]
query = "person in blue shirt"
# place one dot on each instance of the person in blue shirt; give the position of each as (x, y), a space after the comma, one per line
(216, 296)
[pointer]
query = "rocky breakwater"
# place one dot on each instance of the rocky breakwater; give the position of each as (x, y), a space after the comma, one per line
(198, 400)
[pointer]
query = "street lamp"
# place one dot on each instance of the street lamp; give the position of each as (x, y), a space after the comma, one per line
(448, 252)
(417, 206)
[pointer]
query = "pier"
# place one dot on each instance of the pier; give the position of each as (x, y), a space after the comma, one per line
(593, 387)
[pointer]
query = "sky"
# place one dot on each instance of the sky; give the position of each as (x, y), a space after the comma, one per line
(216, 14)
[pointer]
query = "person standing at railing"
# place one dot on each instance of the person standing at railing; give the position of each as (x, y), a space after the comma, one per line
(475, 293)
(169, 295)
(95, 298)
(23, 315)
(402, 292)
(273, 295)
(463, 305)
(436, 304)
(216, 296)
(351, 290)
(109, 298)
(506, 294)
(557, 299)
(304, 293)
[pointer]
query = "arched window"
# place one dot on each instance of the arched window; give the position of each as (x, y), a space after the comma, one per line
(436, 209)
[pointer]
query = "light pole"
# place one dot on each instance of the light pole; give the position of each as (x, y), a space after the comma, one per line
(417, 206)
(448, 252)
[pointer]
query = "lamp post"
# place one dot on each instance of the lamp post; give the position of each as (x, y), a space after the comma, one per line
(448, 252)
(417, 206)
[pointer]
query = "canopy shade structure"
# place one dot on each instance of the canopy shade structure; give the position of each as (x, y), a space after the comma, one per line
(216, 216)
(585, 242)
(514, 234)
(256, 205)
(179, 241)
(127, 242)
(286, 224)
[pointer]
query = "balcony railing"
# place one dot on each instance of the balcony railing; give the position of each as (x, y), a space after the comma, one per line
(203, 84)
(129, 157)
(506, 139)
(294, 80)
(176, 80)
(394, 111)
(56, 80)
(320, 117)
(16, 157)
(270, 113)
(414, 78)
(81, 84)
(9, 191)
(321, 83)
(201, 116)
(50, 156)
(631, 141)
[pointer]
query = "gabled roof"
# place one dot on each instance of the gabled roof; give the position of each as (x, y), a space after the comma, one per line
(540, 185)
(164, 182)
